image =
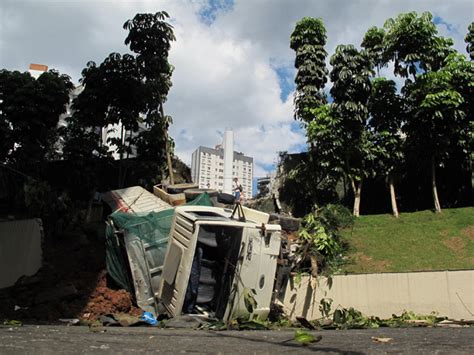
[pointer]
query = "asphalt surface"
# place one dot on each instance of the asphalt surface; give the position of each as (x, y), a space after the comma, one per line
(79, 339)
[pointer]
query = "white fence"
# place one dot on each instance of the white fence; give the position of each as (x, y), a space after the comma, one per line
(450, 293)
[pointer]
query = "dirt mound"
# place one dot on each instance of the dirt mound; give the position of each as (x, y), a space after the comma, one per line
(72, 283)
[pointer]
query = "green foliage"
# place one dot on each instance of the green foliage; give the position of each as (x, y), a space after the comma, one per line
(150, 37)
(373, 43)
(29, 114)
(308, 40)
(351, 91)
(411, 41)
(351, 318)
(319, 237)
(335, 217)
(304, 338)
(325, 307)
(469, 39)
(326, 133)
(305, 182)
(129, 90)
(386, 108)
(438, 114)
(249, 299)
(407, 318)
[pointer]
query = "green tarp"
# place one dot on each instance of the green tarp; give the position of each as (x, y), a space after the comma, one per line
(151, 228)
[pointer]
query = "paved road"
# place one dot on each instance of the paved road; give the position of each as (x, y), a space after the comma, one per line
(53, 339)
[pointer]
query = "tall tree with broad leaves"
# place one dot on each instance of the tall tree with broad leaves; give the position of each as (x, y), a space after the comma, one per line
(412, 42)
(414, 45)
(469, 39)
(29, 113)
(351, 91)
(308, 40)
(386, 120)
(439, 121)
(150, 37)
(113, 95)
(374, 46)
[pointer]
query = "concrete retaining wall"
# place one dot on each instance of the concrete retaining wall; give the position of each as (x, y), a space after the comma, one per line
(20, 249)
(450, 293)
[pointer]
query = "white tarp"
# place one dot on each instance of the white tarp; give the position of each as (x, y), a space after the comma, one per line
(20, 249)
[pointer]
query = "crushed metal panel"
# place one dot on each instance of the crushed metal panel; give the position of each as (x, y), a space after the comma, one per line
(20, 249)
(146, 265)
(134, 199)
(178, 262)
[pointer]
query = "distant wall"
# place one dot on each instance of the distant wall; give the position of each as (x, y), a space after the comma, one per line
(385, 294)
(20, 249)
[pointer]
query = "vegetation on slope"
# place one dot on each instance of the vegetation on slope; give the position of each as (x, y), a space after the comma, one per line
(418, 241)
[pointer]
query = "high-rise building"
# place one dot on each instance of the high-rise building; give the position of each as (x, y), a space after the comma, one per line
(207, 169)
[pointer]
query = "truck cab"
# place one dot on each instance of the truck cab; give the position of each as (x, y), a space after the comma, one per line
(218, 264)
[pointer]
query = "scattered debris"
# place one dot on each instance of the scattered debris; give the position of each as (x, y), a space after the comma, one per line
(148, 318)
(69, 321)
(305, 323)
(381, 340)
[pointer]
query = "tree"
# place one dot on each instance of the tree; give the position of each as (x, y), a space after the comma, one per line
(326, 133)
(469, 39)
(351, 91)
(438, 123)
(308, 40)
(29, 114)
(386, 119)
(113, 95)
(150, 37)
(413, 44)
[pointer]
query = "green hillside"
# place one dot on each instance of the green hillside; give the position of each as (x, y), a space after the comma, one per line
(414, 242)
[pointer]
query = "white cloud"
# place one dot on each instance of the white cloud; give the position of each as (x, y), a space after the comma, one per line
(224, 76)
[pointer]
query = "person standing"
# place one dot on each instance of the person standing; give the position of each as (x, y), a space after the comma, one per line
(237, 189)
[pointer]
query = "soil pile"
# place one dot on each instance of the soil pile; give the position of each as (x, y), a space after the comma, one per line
(72, 283)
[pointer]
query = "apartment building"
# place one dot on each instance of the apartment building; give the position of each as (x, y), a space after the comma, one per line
(207, 169)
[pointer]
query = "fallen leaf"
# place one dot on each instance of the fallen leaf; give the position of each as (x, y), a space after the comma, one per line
(305, 338)
(12, 322)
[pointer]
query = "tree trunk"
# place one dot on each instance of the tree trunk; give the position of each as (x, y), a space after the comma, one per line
(434, 189)
(314, 266)
(168, 154)
(121, 158)
(393, 196)
(357, 188)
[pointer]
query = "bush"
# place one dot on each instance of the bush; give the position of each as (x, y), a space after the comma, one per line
(319, 240)
(335, 217)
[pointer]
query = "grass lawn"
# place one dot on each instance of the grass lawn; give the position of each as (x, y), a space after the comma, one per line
(414, 242)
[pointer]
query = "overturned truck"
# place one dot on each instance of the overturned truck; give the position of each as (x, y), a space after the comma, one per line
(195, 258)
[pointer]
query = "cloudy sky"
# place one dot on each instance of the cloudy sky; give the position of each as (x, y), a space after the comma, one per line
(233, 64)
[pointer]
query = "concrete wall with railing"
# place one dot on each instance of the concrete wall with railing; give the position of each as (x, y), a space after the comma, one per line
(450, 293)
